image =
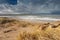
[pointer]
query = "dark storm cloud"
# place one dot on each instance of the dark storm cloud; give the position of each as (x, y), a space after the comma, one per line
(36, 2)
(33, 6)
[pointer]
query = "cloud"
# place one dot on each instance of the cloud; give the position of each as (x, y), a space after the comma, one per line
(47, 6)
(32, 6)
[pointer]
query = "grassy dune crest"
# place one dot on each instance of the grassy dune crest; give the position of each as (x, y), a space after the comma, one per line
(13, 29)
(43, 31)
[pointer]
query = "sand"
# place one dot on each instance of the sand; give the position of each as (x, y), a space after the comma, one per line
(13, 29)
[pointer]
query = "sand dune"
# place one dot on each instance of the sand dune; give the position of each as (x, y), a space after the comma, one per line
(13, 29)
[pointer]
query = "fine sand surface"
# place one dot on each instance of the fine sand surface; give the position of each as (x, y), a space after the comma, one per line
(14, 29)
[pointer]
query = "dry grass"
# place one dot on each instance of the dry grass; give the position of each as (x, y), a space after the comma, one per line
(46, 31)
(31, 30)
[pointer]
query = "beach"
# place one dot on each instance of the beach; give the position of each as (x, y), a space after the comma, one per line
(28, 29)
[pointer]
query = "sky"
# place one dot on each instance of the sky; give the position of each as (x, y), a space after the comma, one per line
(11, 2)
(30, 6)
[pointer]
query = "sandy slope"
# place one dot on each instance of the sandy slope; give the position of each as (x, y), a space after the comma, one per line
(13, 29)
